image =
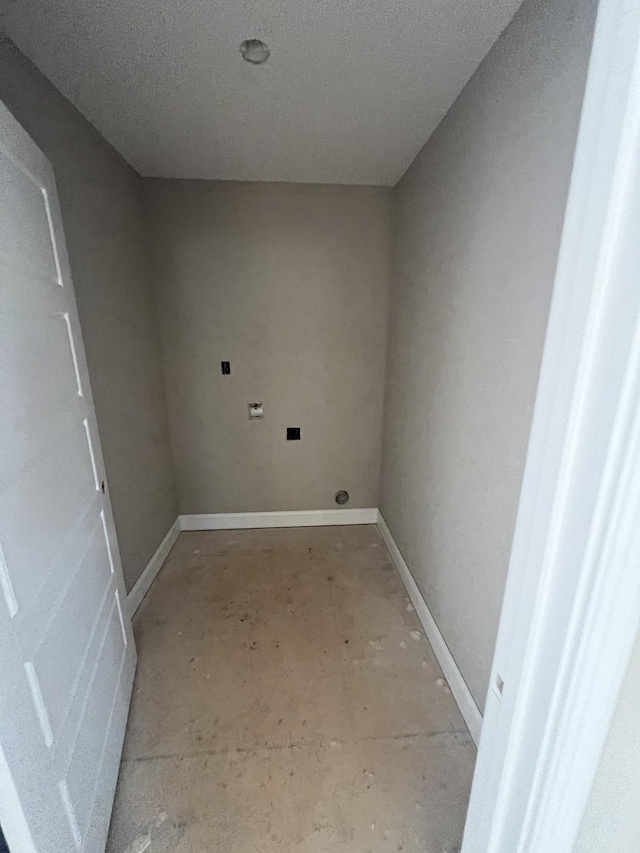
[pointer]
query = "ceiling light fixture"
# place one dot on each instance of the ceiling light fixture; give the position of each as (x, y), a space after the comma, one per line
(254, 51)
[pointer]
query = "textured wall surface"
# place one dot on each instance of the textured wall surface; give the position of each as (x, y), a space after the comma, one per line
(611, 823)
(479, 217)
(102, 212)
(289, 283)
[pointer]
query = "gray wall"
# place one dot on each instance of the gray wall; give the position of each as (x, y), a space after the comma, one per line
(611, 822)
(102, 211)
(289, 283)
(479, 215)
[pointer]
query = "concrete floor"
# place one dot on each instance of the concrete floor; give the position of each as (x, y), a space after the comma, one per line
(287, 700)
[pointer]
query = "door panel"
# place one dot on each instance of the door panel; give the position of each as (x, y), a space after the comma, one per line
(67, 656)
(72, 621)
(87, 752)
(50, 501)
(29, 220)
(39, 371)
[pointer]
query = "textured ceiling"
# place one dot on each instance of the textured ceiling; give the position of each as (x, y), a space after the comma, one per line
(350, 94)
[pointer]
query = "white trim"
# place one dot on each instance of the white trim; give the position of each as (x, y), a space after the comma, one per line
(141, 587)
(302, 518)
(572, 604)
(320, 518)
(459, 689)
(240, 521)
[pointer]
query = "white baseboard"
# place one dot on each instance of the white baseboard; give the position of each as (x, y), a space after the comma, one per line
(302, 518)
(134, 599)
(459, 689)
(319, 518)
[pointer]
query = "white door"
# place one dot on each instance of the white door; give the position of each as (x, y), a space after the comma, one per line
(67, 656)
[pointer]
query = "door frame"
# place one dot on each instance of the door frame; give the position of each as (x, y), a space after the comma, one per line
(571, 611)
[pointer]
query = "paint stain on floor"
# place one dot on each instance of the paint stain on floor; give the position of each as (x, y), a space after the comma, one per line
(287, 701)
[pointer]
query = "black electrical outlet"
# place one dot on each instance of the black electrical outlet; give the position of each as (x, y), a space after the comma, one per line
(226, 368)
(293, 433)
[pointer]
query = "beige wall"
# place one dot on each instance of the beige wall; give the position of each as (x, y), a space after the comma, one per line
(611, 822)
(479, 215)
(102, 212)
(288, 283)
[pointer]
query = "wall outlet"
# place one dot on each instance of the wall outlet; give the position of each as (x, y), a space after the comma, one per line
(226, 367)
(255, 410)
(293, 433)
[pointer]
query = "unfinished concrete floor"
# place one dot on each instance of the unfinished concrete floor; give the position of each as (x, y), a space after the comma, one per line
(286, 700)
